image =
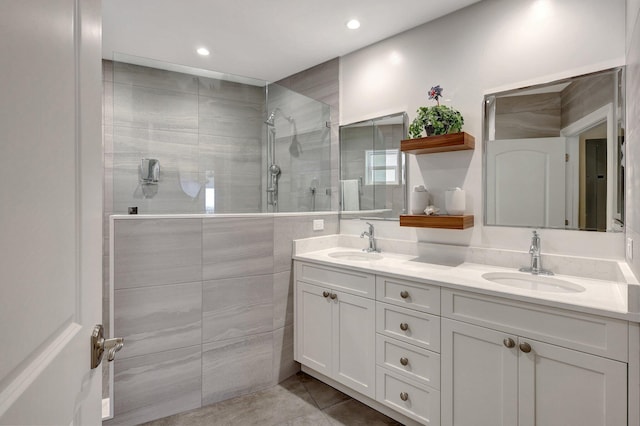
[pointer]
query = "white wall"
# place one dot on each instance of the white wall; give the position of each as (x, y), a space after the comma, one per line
(494, 44)
(633, 131)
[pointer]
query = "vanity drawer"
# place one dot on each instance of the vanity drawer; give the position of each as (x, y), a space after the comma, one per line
(408, 326)
(420, 403)
(354, 282)
(409, 361)
(423, 297)
(593, 334)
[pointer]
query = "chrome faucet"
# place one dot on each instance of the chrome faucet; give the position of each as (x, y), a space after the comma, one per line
(372, 241)
(536, 262)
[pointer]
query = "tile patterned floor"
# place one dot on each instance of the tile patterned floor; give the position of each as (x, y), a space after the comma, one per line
(300, 400)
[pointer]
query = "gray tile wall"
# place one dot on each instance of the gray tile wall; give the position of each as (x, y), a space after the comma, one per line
(322, 83)
(206, 309)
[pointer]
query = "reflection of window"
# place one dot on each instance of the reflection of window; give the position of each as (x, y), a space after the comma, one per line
(382, 167)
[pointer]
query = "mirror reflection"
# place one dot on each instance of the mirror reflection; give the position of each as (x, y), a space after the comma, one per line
(554, 154)
(372, 168)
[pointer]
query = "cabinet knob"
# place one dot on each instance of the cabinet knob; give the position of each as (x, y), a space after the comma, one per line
(509, 342)
(333, 296)
(325, 293)
(404, 326)
(404, 396)
(525, 347)
(404, 361)
(404, 294)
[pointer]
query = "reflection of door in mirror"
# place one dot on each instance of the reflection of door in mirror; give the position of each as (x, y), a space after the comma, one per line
(522, 176)
(554, 154)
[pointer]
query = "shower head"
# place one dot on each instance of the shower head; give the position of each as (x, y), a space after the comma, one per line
(270, 121)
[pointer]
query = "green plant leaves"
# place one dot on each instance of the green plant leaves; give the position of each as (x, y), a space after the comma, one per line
(440, 118)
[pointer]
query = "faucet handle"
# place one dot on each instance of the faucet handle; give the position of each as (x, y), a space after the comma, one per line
(370, 227)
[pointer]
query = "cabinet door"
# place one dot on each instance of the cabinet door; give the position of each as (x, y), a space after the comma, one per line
(559, 386)
(313, 327)
(354, 335)
(479, 376)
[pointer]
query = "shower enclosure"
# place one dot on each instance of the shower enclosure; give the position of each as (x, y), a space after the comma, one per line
(224, 144)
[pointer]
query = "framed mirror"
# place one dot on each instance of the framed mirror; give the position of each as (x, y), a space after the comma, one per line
(554, 154)
(373, 169)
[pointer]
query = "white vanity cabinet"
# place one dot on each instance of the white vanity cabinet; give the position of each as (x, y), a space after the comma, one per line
(503, 376)
(407, 348)
(335, 324)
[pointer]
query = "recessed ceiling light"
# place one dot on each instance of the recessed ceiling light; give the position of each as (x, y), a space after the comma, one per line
(203, 51)
(353, 24)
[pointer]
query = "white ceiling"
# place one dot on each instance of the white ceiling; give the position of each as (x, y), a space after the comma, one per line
(265, 39)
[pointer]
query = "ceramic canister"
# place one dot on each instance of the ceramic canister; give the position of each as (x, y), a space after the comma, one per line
(454, 201)
(419, 199)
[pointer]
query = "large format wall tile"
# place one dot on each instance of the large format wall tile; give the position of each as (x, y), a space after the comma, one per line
(237, 307)
(158, 318)
(224, 117)
(236, 367)
(234, 247)
(142, 107)
(224, 89)
(136, 75)
(283, 364)
(289, 228)
(157, 251)
(282, 299)
(153, 386)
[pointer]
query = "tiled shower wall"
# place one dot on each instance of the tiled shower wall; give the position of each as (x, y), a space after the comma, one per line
(205, 305)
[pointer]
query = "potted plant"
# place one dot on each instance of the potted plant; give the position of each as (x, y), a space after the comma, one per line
(436, 120)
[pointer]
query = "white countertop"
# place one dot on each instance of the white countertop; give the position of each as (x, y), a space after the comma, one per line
(607, 298)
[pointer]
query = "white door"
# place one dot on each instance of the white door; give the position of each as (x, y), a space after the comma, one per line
(526, 182)
(313, 327)
(50, 210)
(479, 376)
(354, 332)
(559, 386)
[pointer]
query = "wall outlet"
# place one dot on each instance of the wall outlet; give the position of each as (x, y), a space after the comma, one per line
(629, 248)
(318, 224)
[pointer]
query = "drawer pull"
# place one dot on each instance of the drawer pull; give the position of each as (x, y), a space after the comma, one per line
(510, 343)
(525, 347)
(325, 293)
(404, 326)
(404, 361)
(404, 294)
(404, 396)
(333, 296)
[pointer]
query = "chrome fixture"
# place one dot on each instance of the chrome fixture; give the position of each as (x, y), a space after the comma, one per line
(149, 171)
(372, 241)
(536, 262)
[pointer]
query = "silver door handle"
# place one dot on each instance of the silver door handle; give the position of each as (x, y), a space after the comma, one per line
(99, 345)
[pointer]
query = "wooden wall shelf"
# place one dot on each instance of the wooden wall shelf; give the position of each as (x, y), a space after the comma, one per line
(441, 143)
(437, 221)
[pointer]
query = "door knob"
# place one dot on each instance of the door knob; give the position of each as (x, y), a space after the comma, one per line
(99, 345)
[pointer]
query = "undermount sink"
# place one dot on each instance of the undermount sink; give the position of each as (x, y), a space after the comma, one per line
(533, 282)
(355, 255)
